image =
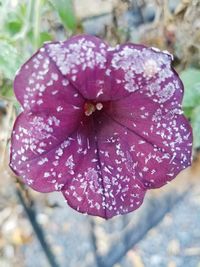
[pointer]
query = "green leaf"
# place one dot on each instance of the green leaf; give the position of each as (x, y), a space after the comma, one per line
(66, 13)
(191, 81)
(9, 59)
(13, 26)
(13, 21)
(44, 37)
(196, 126)
(6, 89)
(188, 112)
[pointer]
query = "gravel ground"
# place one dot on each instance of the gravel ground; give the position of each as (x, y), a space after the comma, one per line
(176, 240)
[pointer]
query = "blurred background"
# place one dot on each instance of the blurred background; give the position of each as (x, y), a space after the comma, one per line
(40, 230)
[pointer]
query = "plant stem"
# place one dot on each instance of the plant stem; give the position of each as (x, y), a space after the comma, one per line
(36, 30)
(31, 214)
(27, 22)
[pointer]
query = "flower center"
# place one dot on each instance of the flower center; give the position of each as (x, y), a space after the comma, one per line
(91, 107)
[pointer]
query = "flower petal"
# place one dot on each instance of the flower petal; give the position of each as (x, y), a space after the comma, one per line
(39, 85)
(35, 135)
(83, 60)
(134, 137)
(163, 137)
(148, 71)
(100, 186)
(86, 62)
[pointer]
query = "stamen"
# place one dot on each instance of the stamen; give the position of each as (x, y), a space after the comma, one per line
(89, 109)
(99, 106)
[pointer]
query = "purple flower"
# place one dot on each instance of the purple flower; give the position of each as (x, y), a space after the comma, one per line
(100, 124)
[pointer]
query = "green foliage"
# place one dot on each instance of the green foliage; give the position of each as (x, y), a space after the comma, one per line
(13, 26)
(44, 37)
(191, 100)
(66, 13)
(24, 26)
(12, 19)
(191, 81)
(9, 59)
(195, 120)
(6, 89)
